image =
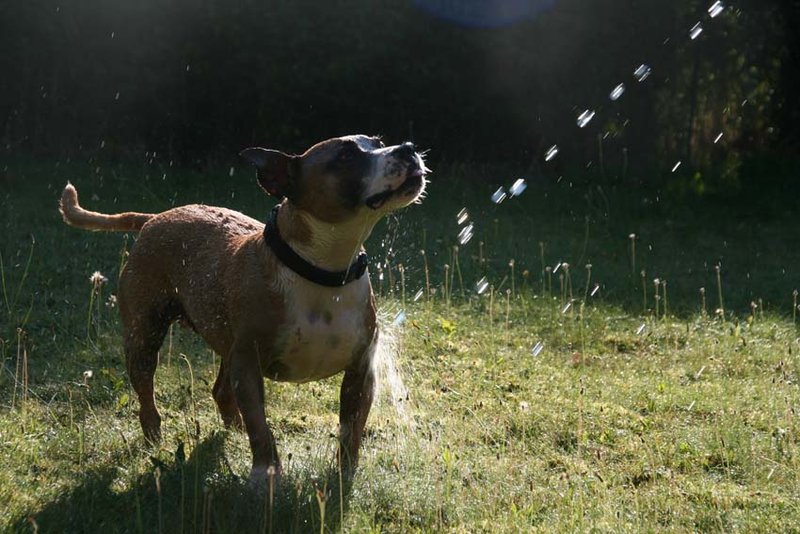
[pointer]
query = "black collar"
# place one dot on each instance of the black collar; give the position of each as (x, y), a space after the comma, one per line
(295, 262)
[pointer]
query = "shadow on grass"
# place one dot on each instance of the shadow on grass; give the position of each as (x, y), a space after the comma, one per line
(198, 494)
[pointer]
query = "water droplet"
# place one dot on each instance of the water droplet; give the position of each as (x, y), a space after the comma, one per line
(676, 166)
(716, 8)
(551, 153)
(481, 285)
(595, 290)
(399, 318)
(557, 267)
(465, 234)
(418, 295)
(642, 72)
(585, 118)
(230, 172)
(380, 276)
(696, 30)
(116, 96)
(103, 143)
(566, 308)
(112, 35)
(462, 216)
(517, 188)
(537, 349)
(640, 329)
(617, 92)
(718, 138)
(337, 298)
(499, 195)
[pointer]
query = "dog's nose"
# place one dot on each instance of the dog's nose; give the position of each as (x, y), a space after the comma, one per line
(407, 149)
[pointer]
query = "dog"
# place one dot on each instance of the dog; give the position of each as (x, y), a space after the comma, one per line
(289, 300)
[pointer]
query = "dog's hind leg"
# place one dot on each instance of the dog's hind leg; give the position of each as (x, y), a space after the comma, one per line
(225, 398)
(145, 321)
(143, 338)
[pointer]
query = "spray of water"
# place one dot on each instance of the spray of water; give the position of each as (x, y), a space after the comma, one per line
(390, 389)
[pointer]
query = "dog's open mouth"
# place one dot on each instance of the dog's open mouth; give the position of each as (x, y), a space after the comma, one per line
(411, 185)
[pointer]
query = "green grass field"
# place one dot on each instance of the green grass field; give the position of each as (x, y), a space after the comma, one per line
(632, 413)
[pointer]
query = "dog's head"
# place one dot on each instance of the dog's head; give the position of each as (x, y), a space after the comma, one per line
(344, 177)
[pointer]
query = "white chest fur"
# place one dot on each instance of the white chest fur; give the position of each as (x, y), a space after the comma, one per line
(323, 329)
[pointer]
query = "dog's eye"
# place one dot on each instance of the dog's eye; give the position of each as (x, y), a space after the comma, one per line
(347, 152)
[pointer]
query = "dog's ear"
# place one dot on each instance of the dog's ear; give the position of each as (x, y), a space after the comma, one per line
(275, 170)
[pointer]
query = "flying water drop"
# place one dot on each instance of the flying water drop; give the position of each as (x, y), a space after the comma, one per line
(517, 188)
(695, 32)
(595, 290)
(499, 195)
(466, 234)
(718, 138)
(230, 172)
(676, 166)
(640, 329)
(716, 8)
(462, 216)
(617, 92)
(551, 153)
(642, 72)
(400, 318)
(566, 308)
(418, 295)
(585, 118)
(481, 285)
(537, 349)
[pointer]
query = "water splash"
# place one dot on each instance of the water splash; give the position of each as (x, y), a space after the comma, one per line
(517, 188)
(551, 153)
(617, 92)
(499, 195)
(481, 285)
(537, 349)
(715, 9)
(642, 72)
(695, 32)
(585, 118)
(389, 384)
(466, 234)
(462, 216)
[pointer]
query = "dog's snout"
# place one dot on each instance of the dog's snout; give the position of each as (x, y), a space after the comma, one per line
(407, 150)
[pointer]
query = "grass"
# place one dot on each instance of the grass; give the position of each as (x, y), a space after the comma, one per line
(624, 420)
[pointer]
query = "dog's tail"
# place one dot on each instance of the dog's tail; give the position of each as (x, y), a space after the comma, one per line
(74, 215)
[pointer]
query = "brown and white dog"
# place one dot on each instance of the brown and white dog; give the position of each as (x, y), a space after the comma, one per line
(287, 301)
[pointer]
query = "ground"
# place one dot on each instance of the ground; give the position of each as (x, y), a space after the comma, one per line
(538, 404)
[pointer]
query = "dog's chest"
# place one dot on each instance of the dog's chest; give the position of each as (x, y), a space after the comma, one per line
(324, 331)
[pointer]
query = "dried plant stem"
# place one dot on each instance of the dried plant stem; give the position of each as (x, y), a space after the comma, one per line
(402, 284)
(458, 270)
(718, 269)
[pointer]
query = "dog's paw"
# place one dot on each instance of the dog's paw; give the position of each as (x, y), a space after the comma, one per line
(263, 477)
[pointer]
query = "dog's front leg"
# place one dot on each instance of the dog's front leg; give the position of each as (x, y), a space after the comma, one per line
(248, 386)
(355, 401)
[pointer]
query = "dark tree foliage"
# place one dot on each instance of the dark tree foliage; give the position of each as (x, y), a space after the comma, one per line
(196, 80)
